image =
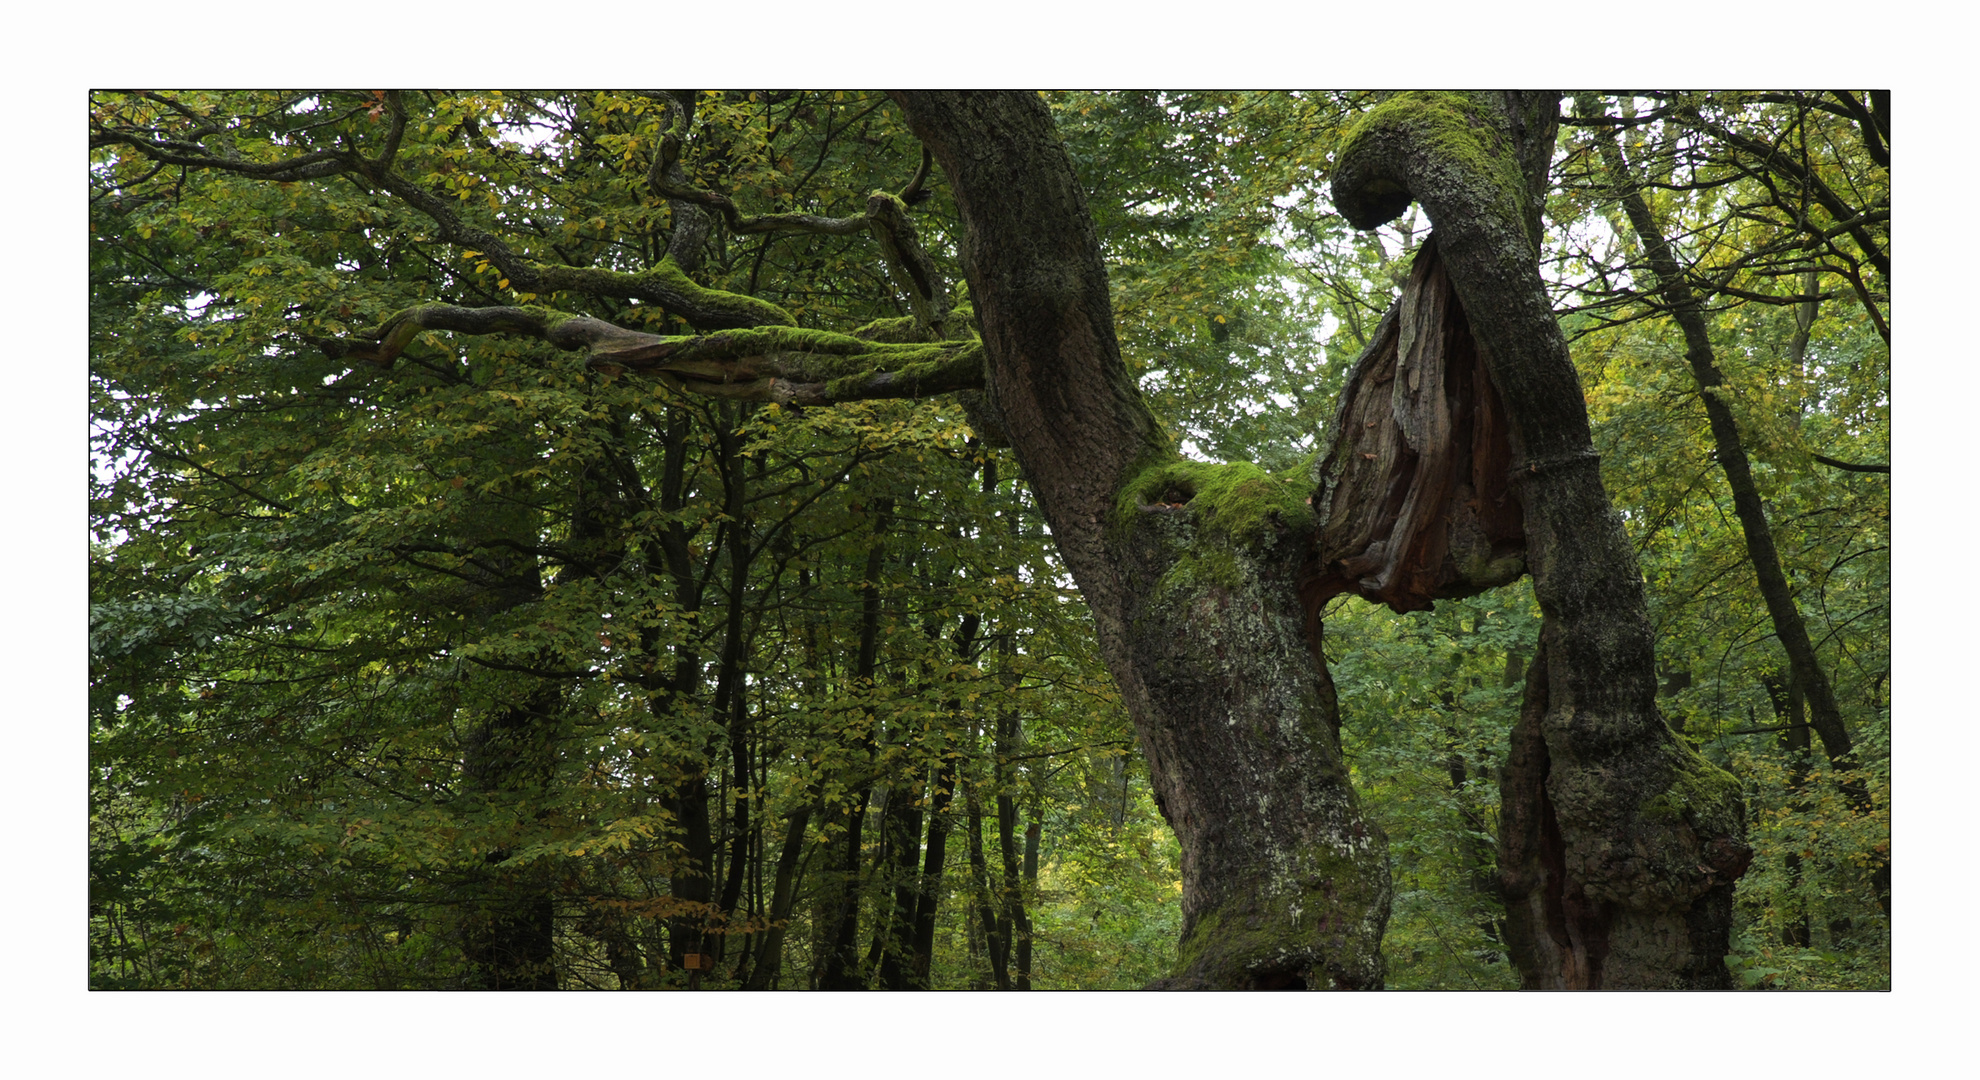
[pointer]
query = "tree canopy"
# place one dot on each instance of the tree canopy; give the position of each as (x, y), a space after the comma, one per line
(779, 540)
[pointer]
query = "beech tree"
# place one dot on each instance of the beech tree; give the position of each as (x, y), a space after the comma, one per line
(1459, 458)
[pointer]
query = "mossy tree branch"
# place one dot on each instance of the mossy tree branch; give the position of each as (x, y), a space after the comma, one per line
(779, 364)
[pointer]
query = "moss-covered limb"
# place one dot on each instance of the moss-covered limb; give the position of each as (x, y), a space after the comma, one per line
(942, 371)
(687, 244)
(1448, 149)
(772, 363)
(907, 329)
(383, 345)
(665, 284)
(914, 273)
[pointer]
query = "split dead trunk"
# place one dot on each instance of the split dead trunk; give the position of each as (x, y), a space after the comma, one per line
(1619, 844)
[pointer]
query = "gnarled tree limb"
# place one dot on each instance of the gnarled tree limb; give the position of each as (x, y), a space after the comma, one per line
(766, 363)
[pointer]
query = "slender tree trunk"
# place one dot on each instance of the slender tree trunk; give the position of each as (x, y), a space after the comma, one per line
(893, 934)
(1790, 708)
(1789, 627)
(509, 937)
(509, 933)
(995, 942)
(1028, 886)
(671, 697)
(783, 899)
(841, 963)
(731, 692)
(928, 890)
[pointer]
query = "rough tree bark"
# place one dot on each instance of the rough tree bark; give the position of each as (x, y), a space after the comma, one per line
(1619, 844)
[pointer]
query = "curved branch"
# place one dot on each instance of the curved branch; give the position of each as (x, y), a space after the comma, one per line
(1869, 126)
(310, 166)
(690, 238)
(914, 273)
(1847, 467)
(1591, 750)
(914, 192)
(681, 191)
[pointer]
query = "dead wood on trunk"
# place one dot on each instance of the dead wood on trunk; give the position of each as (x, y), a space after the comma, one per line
(1414, 502)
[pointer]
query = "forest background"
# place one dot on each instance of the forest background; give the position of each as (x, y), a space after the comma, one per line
(508, 670)
(1757, 702)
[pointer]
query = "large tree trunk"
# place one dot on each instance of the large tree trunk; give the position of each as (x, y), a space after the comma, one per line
(508, 935)
(1619, 843)
(1190, 572)
(508, 928)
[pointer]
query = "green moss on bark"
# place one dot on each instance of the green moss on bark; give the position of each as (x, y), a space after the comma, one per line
(1700, 793)
(1233, 507)
(1235, 500)
(1460, 131)
(1244, 939)
(668, 285)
